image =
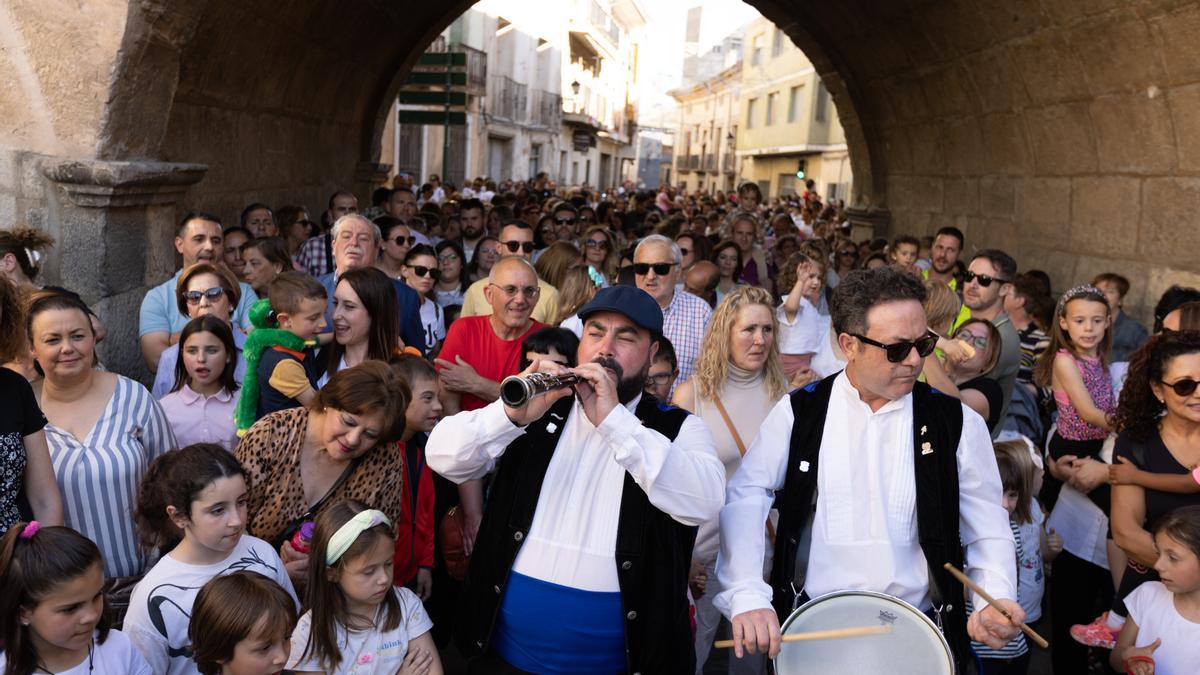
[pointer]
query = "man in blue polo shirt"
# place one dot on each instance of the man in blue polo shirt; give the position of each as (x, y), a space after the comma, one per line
(199, 239)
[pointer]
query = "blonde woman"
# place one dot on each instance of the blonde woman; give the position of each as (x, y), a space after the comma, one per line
(600, 252)
(577, 288)
(738, 379)
(555, 261)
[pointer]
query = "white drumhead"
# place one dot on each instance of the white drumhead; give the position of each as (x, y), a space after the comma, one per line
(914, 647)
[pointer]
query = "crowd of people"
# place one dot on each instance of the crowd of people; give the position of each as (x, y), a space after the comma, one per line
(749, 412)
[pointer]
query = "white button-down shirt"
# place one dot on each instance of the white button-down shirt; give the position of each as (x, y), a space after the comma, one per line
(864, 533)
(572, 541)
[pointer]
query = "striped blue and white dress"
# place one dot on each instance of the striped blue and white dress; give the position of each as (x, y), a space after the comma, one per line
(99, 474)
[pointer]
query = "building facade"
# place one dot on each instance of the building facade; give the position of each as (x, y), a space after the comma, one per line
(550, 88)
(787, 120)
(705, 153)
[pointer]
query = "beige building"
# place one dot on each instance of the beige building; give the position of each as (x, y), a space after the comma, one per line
(787, 117)
(704, 156)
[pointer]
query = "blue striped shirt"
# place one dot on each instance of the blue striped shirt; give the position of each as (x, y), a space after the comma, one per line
(99, 475)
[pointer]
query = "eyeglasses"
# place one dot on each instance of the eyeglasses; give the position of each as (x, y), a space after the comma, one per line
(421, 270)
(514, 246)
(979, 341)
(449, 257)
(193, 297)
(983, 279)
(898, 351)
(1185, 387)
(596, 243)
(658, 379)
(489, 251)
(566, 221)
(661, 269)
(529, 292)
(400, 241)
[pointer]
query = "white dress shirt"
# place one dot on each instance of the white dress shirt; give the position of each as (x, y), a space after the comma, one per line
(572, 541)
(865, 527)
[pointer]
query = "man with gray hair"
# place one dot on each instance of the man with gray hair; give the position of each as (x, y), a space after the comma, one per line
(883, 479)
(657, 264)
(355, 243)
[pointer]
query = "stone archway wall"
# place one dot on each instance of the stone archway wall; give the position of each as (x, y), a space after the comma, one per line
(1065, 131)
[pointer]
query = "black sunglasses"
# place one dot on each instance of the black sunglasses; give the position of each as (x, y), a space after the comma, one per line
(193, 297)
(596, 243)
(1185, 387)
(565, 221)
(421, 270)
(400, 241)
(983, 279)
(514, 246)
(661, 269)
(898, 351)
(684, 251)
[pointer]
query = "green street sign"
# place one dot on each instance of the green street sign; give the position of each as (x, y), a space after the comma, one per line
(458, 98)
(432, 117)
(443, 59)
(435, 78)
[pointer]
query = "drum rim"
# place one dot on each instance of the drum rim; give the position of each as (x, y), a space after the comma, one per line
(883, 596)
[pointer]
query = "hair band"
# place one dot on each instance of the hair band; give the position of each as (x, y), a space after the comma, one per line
(31, 528)
(1078, 292)
(346, 535)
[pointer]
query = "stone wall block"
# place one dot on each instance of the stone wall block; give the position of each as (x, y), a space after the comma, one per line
(997, 196)
(998, 84)
(1117, 51)
(1105, 215)
(950, 92)
(928, 151)
(963, 146)
(1005, 149)
(8, 210)
(1071, 10)
(1176, 43)
(33, 183)
(1048, 67)
(8, 171)
(1134, 133)
(1062, 139)
(1169, 233)
(1184, 104)
(1044, 211)
(961, 196)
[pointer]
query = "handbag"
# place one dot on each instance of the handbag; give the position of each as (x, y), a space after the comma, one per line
(450, 536)
(297, 523)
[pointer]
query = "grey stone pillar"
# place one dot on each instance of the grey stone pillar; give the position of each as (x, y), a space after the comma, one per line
(869, 222)
(367, 177)
(115, 224)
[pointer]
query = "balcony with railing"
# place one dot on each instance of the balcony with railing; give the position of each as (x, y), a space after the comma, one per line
(476, 68)
(546, 110)
(507, 99)
(710, 163)
(604, 24)
(727, 162)
(693, 162)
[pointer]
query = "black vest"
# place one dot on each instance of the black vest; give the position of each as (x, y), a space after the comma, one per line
(937, 421)
(653, 551)
(271, 399)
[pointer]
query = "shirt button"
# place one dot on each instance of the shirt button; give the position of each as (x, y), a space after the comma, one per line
(631, 615)
(496, 588)
(627, 565)
(518, 535)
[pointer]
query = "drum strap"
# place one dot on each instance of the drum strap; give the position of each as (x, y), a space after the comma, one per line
(802, 550)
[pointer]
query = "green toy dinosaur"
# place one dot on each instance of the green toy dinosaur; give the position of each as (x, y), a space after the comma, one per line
(264, 336)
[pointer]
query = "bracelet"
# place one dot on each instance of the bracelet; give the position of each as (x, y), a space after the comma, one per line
(1139, 658)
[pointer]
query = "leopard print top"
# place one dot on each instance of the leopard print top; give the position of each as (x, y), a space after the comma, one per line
(270, 454)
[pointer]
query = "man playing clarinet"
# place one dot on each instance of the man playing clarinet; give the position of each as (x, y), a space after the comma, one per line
(882, 481)
(582, 557)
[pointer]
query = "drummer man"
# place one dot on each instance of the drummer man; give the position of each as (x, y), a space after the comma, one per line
(582, 558)
(881, 480)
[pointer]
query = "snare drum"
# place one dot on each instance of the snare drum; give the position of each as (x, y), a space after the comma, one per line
(914, 647)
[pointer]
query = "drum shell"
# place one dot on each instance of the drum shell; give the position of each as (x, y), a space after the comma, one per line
(914, 647)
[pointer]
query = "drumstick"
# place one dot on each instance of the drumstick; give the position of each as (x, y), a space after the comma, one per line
(833, 634)
(966, 581)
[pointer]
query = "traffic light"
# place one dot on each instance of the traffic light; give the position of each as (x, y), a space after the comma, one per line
(800, 170)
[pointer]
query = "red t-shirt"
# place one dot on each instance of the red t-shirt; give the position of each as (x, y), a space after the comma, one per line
(472, 338)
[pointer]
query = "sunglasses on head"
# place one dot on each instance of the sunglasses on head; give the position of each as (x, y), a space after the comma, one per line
(401, 241)
(983, 279)
(661, 269)
(898, 351)
(421, 271)
(1183, 388)
(514, 246)
(193, 297)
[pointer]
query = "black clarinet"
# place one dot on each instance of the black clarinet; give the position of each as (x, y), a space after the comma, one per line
(517, 390)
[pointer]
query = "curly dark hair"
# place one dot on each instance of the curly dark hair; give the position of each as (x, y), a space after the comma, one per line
(863, 289)
(1139, 410)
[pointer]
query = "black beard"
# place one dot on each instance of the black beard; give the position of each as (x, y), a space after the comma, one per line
(627, 388)
(471, 234)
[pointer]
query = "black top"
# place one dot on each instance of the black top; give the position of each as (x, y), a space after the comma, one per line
(20, 416)
(994, 395)
(1152, 455)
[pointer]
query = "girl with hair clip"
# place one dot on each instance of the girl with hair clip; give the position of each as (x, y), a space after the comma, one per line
(21, 251)
(192, 508)
(356, 622)
(1162, 634)
(242, 624)
(52, 617)
(201, 403)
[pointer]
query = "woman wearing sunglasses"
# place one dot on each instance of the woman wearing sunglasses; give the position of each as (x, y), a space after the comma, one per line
(1158, 445)
(421, 272)
(203, 289)
(600, 253)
